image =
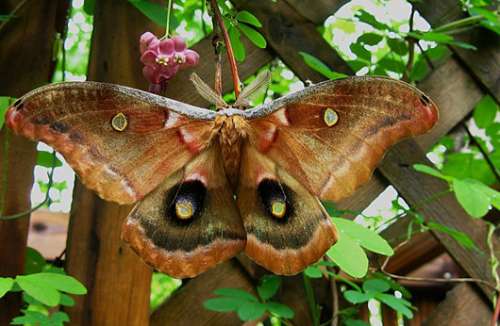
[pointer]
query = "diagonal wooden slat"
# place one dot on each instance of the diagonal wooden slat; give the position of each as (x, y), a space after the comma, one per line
(463, 306)
(317, 11)
(26, 49)
(484, 64)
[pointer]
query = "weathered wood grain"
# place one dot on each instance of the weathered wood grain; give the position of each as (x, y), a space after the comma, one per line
(317, 11)
(185, 307)
(483, 63)
(118, 281)
(287, 33)
(25, 63)
(416, 187)
(463, 306)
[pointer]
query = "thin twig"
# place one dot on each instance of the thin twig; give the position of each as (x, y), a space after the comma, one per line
(311, 301)
(411, 48)
(426, 57)
(13, 12)
(431, 279)
(169, 12)
(335, 303)
(229, 48)
(47, 197)
(483, 151)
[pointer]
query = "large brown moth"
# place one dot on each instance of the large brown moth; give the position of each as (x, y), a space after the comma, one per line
(209, 184)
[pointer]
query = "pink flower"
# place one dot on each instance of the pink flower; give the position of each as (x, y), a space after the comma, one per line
(162, 59)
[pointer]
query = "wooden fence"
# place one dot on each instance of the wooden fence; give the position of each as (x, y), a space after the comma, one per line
(119, 282)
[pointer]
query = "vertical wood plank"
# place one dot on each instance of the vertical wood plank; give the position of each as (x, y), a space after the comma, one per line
(25, 63)
(118, 281)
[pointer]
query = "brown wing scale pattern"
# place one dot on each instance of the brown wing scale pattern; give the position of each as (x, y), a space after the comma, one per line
(121, 166)
(333, 161)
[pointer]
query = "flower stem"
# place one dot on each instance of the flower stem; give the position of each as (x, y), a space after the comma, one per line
(229, 49)
(169, 11)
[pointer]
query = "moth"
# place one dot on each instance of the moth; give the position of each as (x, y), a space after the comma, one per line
(209, 184)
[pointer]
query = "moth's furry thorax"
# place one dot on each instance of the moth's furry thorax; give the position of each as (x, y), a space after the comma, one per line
(231, 131)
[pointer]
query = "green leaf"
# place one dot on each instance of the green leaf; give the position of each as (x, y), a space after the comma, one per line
(268, 287)
(356, 64)
(438, 52)
(313, 272)
(376, 285)
(370, 38)
(251, 311)
(368, 239)
(47, 160)
(47, 295)
(356, 297)
(235, 293)
(398, 46)
(280, 310)
(355, 322)
(392, 64)
(4, 105)
(247, 17)
(223, 304)
(253, 36)
(155, 12)
(319, 66)
(491, 21)
(238, 48)
(31, 318)
(61, 282)
(431, 171)
(66, 300)
(59, 318)
(355, 263)
(34, 262)
(440, 38)
(470, 195)
(400, 305)
(360, 51)
(462, 238)
(369, 19)
(485, 112)
(432, 36)
(6, 284)
(88, 7)
(420, 70)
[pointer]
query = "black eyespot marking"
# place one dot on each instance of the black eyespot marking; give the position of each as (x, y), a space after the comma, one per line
(276, 198)
(59, 127)
(425, 100)
(184, 202)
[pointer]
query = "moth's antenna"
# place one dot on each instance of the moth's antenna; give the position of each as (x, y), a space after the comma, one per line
(206, 92)
(260, 82)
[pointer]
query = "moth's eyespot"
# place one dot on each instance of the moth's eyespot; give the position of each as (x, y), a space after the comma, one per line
(184, 209)
(330, 117)
(276, 199)
(119, 122)
(185, 201)
(425, 100)
(278, 208)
